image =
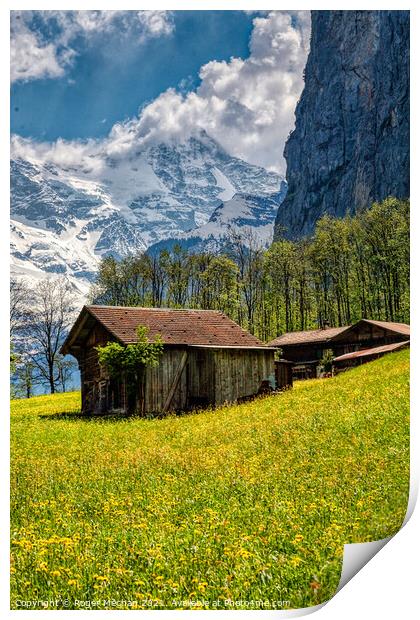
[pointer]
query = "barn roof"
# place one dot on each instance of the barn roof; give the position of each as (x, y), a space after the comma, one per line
(177, 327)
(307, 337)
(387, 348)
(401, 329)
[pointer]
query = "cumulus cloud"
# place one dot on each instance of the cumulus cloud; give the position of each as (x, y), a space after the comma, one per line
(41, 41)
(247, 105)
(30, 57)
(156, 23)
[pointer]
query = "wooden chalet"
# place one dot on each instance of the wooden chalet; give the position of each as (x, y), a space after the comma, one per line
(207, 360)
(306, 348)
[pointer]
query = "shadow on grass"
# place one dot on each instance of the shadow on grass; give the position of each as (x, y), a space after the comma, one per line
(78, 416)
(118, 416)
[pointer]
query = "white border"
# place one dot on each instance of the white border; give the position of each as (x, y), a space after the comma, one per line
(387, 586)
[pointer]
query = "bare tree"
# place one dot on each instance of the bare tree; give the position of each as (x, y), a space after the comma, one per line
(247, 251)
(48, 321)
(19, 294)
(65, 370)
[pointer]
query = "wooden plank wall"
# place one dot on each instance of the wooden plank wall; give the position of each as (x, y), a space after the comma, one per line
(160, 379)
(284, 374)
(239, 373)
(200, 377)
(210, 377)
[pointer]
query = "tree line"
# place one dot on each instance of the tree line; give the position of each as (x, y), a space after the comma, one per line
(350, 268)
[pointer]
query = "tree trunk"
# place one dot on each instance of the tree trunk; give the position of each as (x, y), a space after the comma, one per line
(51, 378)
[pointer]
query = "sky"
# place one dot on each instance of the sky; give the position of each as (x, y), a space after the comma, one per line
(89, 84)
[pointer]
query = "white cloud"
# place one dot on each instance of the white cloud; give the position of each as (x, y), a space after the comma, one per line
(247, 105)
(35, 55)
(156, 23)
(30, 58)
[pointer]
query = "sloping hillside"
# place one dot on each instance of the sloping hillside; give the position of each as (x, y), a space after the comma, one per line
(216, 509)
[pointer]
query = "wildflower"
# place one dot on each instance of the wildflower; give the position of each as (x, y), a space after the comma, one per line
(243, 553)
(295, 561)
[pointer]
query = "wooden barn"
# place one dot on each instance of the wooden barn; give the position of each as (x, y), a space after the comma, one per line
(306, 348)
(207, 360)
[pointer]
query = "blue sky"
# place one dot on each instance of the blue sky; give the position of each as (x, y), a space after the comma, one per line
(102, 82)
(113, 76)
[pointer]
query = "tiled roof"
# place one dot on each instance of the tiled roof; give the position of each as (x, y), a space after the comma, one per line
(387, 348)
(312, 335)
(398, 328)
(402, 329)
(188, 327)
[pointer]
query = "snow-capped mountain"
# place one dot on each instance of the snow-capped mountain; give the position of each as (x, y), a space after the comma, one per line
(251, 217)
(64, 218)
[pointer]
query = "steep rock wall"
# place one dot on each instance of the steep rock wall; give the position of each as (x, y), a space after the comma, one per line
(350, 145)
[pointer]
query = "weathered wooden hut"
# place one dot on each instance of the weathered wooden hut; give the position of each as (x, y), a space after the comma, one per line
(306, 348)
(207, 360)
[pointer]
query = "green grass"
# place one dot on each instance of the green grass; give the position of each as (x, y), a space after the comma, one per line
(243, 503)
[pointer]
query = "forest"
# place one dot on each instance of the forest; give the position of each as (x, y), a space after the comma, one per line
(350, 268)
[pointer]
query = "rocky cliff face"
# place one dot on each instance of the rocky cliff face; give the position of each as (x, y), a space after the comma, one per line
(350, 145)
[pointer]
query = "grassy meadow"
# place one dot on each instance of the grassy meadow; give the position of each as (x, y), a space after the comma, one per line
(215, 509)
